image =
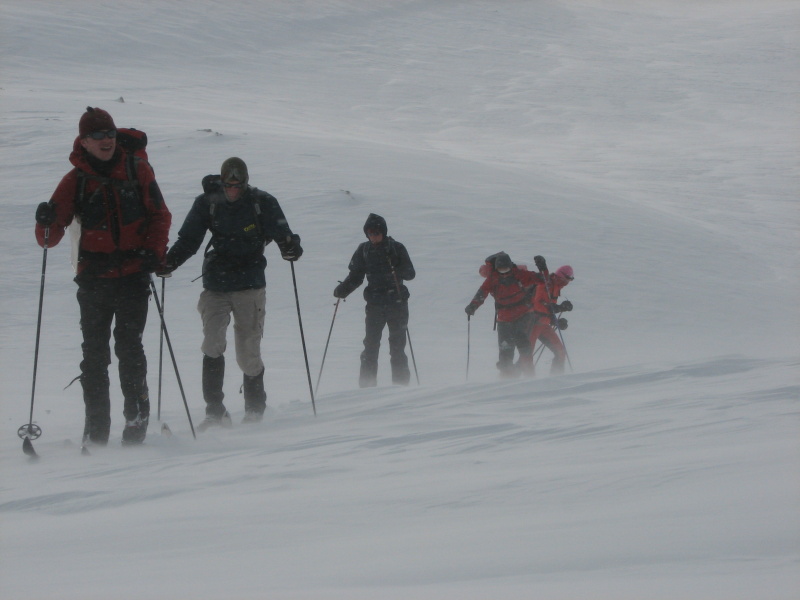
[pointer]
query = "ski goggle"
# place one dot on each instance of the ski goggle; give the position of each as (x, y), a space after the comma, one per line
(237, 186)
(101, 135)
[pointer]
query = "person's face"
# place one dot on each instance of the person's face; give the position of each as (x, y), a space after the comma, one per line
(233, 189)
(376, 237)
(101, 144)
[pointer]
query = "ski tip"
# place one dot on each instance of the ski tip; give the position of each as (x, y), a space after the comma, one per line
(165, 430)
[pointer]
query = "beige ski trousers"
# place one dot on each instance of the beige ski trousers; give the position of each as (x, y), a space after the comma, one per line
(247, 308)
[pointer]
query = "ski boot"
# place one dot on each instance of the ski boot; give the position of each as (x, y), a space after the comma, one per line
(135, 430)
(255, 398)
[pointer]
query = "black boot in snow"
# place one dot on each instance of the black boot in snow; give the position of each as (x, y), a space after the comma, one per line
(401, 375)
(97, 400)
(252, 416)
(96, 430)
(213, 377)
(368, 375)
(216, 416)
(255, 398)
(508, 370)
(137, 416)
(135, 430)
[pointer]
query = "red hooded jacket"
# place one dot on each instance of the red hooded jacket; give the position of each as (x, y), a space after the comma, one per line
(122, 218)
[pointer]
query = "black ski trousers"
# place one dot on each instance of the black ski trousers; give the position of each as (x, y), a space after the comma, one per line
(123, 300)
(512, 336)
(378, 316)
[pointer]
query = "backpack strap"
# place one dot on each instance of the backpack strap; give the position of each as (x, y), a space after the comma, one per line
(525, 298)
(80, 190)
(257, 214)
(130, 167)
(212, 209)
(132, 183)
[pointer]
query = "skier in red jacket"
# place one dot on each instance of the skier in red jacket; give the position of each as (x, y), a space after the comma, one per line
(511, 287)
(124, 225)
(544, 309)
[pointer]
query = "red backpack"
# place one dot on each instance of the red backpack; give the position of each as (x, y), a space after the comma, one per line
(133, 141)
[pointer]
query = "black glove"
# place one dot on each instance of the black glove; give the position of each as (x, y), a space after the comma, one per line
(292, 250)
(562, 323)
(470, 309)
(541, 263)
(45, 214)
(565, 306)
(166, 268)
(339, 291)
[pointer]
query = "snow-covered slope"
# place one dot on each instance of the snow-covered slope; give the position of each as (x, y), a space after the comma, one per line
(651, 146)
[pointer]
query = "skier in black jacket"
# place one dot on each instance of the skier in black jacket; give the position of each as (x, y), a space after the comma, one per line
(242, 221)
(386, 264)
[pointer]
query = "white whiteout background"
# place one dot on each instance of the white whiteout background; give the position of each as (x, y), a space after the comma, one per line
(651, 145)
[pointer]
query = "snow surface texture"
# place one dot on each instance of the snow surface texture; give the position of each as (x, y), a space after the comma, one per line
(651, 145)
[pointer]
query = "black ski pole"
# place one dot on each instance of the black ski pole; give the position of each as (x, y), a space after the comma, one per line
(171, 353)
(408, 333)
(411, 348)
(161, 345)
(303, 339)
(554, 318)
(324, 354)
(30, 431)
(469, 317)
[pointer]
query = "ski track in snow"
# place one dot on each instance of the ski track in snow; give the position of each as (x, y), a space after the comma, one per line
(588, 452)
(595, 408)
